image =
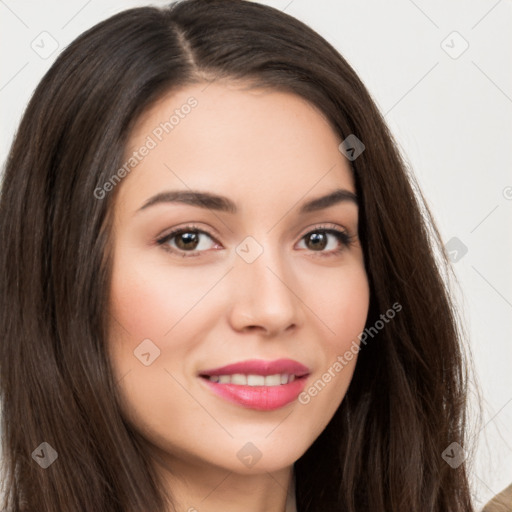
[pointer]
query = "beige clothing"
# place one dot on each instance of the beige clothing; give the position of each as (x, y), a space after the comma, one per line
(502, 502)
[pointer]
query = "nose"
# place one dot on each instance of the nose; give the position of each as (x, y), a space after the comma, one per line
(264, 295)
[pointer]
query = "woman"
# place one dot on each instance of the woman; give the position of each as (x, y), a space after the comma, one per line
(219, 286)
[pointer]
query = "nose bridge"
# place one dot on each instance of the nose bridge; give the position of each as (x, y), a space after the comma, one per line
(264, 285)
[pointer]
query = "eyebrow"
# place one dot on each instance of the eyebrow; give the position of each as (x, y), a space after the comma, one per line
(223, 204)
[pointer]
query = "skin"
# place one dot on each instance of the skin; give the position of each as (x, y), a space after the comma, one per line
(269, 152)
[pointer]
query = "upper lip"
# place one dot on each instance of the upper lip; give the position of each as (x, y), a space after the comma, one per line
(260, 367)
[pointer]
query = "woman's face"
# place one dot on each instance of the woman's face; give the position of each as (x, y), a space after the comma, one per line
(263, 274)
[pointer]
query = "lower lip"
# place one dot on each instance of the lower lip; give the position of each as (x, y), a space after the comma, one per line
(261, 398)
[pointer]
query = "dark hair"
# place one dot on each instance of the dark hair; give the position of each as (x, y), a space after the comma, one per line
(405, 405)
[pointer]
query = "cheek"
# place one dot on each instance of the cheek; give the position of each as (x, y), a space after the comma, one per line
(341, 302)
(348, 324)
(146, 302)
(148, 298)
(343, 309)
(153, 311)
(143, 307)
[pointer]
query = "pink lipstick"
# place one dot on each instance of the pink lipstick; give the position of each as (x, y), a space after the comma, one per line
(258, 384)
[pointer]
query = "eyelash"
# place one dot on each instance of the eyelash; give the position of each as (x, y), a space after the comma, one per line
(343, 237)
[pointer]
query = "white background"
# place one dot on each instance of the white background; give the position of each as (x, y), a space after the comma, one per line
(451, 117)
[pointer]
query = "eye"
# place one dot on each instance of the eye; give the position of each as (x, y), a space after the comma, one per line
(189, 239)
(322, 237)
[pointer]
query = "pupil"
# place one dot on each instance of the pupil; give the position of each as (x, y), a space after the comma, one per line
(318, 240)
(188, 238)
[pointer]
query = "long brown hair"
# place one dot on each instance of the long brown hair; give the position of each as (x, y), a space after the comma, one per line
(383, 448)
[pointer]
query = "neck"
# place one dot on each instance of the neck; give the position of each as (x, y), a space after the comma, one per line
(203, 488)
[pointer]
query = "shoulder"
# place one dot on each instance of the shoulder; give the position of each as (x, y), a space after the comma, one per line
(502, 502)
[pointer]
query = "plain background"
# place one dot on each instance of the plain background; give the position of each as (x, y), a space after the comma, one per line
(440, 73)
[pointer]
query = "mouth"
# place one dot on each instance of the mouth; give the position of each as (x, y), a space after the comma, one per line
(257, 384)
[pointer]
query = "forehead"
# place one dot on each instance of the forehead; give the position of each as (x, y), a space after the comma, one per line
(232, 139)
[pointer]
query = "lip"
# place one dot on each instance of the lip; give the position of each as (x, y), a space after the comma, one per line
(261, 398)
(259, 367)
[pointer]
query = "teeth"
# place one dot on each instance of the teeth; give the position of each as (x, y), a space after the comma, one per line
(253, 380)
(239, 379)
(273, 380)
